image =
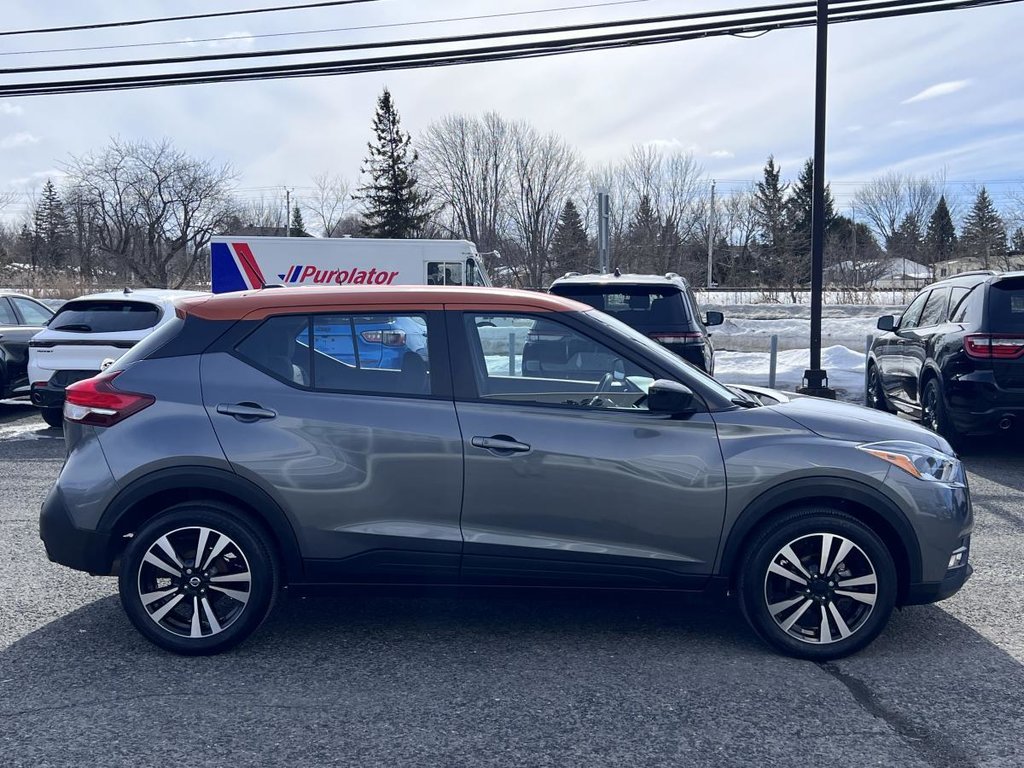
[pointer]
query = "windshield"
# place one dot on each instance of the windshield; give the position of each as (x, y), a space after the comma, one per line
(669, 359)
(1006, 306)
(105, 316)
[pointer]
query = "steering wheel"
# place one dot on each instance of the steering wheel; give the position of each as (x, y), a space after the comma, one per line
(608, 382)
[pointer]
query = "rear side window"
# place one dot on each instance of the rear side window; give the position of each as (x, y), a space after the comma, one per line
(33, 313)
(280, 347)
(641, 306)
(105, 316)
(7, 316)
(935, 310)
(1006, 306)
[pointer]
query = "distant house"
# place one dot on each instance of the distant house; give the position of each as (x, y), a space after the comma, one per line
(1013, 261)
(889, 273)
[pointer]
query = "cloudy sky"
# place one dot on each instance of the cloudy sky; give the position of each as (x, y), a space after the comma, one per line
(941, 92)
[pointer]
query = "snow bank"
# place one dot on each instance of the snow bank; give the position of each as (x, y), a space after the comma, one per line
(845, 369)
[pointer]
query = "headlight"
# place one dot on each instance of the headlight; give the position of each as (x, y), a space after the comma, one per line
(919, 460)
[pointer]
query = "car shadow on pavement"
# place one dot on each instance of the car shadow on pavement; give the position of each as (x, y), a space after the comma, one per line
(435, 672)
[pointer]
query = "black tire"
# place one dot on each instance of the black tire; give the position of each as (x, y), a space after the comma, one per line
(934, 413)
(223, 621)
(803, 531)
(54, 417)
(874, 395)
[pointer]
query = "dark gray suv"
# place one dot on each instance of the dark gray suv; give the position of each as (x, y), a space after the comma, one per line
(251, 444)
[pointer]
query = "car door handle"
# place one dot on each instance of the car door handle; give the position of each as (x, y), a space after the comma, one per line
(246, 412)
(503, 445)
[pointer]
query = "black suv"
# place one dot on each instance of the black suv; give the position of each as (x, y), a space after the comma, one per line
(661, 307)
(955, 358)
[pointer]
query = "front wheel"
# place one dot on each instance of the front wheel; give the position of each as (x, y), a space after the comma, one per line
(198, 579)
(874, 395)
(817, 584)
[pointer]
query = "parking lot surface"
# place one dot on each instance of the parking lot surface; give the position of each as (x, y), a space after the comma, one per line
(367, 680)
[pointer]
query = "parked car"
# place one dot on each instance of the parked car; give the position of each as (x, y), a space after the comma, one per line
(84, 333)
(955, 357)
(662, 307)
(222, 458)
(21, 317)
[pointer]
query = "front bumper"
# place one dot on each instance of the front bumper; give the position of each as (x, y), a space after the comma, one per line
(83, 550)
(932, 592)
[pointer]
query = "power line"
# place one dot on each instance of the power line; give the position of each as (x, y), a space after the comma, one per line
(506, 52)
(190, 17)
(798, 7)
(332, 30)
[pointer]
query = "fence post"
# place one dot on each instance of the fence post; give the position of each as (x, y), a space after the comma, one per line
(773, 359)
(512, 354)
(868, 341)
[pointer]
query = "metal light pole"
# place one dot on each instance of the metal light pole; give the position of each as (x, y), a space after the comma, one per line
(603, 215)
(287, 212)
(711, 233)
(816, 379)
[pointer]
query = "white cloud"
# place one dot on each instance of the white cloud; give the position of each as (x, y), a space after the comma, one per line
(6, 108)
(937, 90)
(22, 139)
(723, 154)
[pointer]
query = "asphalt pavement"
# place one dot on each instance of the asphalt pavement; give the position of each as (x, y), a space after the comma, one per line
(363, 680)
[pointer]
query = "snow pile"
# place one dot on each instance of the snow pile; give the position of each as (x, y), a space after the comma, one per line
(845, 369)
(743, 334)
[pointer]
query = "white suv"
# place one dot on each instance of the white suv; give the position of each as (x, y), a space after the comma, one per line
(85, 332)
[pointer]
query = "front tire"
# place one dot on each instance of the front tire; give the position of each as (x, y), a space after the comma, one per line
(874, 395)
(198, 579)
(54, 417)
(817, 584)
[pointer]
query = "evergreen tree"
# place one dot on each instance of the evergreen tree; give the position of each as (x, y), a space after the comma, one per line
(907, 241)
(770, 213)
(642, 238)
(940, 239)
(50, 229)
(800, 206)
(569, 247)
(1017, 241)
(394, 206)
(984, 235)
(298, 226)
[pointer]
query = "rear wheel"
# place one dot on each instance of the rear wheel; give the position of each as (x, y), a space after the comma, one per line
(934, 414)
(817, 584)
(198, 579)
(54, 417)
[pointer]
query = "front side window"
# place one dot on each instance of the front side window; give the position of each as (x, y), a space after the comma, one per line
(33, 313)
(913, 313)
(372, 353)
(935, 310)
(445, 273)
(538, 360)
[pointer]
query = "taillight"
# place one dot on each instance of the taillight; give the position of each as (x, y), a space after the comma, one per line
(994, 346)
(387, 338)
(98, 403)
(677, 338)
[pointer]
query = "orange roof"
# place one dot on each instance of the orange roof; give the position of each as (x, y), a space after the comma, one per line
(271, 301)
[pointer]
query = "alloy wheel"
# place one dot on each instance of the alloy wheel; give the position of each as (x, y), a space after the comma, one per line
(820, 588)
(874, 401)
(194, 582)
(930, 409)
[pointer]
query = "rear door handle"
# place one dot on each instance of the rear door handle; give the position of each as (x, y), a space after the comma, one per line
(246, 412)
(502, 445)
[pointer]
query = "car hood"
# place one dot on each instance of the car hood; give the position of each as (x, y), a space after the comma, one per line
(853, 423)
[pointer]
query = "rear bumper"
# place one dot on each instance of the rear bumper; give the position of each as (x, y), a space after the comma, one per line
(50, 394)
(977, 404)
(83, 550)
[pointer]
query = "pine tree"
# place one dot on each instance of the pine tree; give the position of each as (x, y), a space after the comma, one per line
(800, 206)
(50, 229)
(394, 206)
(940, 239)
(907, 242)
(298, 226)
(984, 235)
(1017, 241)
(770, 211)
(569, 246)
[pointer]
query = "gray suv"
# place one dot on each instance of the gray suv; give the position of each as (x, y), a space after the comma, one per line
(250, 444)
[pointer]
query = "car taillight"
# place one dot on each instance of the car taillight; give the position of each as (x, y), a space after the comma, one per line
(387, 338)
(994, 346)
(98, 403)
(677, 338)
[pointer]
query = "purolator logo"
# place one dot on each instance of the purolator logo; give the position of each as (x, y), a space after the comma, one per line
(308, 273)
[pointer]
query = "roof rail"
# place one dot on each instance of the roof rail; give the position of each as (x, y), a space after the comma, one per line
(973, 272)
(571, 274)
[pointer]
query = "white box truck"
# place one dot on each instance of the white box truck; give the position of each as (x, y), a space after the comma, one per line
(238, 263)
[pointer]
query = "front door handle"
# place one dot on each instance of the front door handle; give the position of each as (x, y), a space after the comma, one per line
(246, 412)
(501, 445)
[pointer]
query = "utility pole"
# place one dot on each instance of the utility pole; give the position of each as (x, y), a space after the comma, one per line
(603, 216)
(816, 379)
(287, 212)
(853, 257)
(711, 233)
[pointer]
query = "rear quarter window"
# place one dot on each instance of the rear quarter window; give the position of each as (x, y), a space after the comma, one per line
(105, 316)
(1006, 306)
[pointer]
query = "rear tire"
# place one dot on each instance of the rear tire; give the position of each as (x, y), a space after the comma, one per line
(54, 417)
(817, 584)
(198, 579)
(934, 413)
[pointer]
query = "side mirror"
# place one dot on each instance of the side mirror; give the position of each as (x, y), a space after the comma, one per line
(670, 397)
(713, 318)
(887, 323)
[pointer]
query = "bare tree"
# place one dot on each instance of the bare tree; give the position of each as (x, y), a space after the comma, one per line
(330, 203)
(155, 207)
(889, 199)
